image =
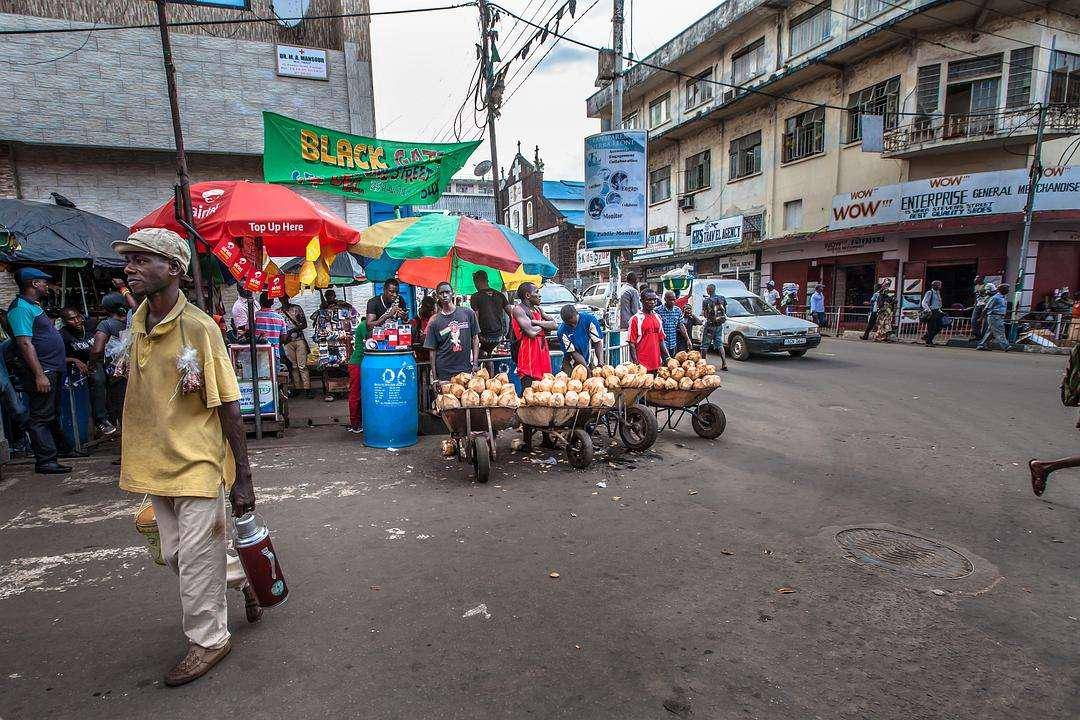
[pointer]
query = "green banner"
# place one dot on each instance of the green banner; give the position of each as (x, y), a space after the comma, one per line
(385, 171)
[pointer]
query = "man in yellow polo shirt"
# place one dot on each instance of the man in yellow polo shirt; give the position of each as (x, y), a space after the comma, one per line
(185, 449)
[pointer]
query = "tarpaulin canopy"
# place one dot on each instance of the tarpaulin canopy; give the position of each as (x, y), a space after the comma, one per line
(49, 234)
(430, 249)
(364, 168)
(345, 270)
(285, 220)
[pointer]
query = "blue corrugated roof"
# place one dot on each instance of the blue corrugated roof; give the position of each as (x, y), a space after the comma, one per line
(574, 217)
(564, 190)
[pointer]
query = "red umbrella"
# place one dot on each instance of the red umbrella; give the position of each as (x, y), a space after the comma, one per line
(285, 220)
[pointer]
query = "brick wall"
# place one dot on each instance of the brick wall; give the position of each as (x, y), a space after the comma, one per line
(127, 184)
(108, 90)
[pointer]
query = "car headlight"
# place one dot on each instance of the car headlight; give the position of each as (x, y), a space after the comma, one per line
(815, 330)
(772, 333)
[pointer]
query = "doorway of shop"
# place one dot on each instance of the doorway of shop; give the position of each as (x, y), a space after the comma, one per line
(854, 284)
(957, 284)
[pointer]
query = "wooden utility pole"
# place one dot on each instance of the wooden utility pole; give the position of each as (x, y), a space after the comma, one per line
(491, 101)
(614, 331)
(184, 209)
(1034, 176)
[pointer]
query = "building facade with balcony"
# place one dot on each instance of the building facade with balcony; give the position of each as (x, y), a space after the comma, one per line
(756, 147)
(472, 197)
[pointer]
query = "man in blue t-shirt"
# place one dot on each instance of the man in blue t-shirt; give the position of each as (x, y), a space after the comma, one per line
(578, 333)
(41, 348)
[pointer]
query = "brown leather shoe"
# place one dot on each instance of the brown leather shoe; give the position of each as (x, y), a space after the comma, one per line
(252, 608)
(196, 663)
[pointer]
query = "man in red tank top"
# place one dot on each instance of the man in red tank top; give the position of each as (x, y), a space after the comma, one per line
(647, 345)
(530, 326)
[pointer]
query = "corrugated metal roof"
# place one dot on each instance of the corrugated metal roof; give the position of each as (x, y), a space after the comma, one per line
(574, 217)
(564, 190)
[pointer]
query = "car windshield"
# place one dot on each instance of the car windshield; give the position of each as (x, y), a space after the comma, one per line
(553, 293)
(748, 306)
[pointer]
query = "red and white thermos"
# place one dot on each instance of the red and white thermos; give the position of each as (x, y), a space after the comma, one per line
(260, 562)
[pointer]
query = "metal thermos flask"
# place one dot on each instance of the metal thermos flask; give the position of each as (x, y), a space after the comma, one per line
(260, 562)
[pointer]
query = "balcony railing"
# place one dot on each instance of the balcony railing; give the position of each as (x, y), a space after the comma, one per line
(924, 132)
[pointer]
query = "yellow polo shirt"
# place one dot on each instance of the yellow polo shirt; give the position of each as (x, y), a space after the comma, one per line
(172, 443)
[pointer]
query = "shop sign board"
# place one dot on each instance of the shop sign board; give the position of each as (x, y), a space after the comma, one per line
(741, 263)
(301, 62)
(656, 246)
(266, 398)
(615, 176)
(588, 259)
(363, 168)
(724, 232)
(966, 195)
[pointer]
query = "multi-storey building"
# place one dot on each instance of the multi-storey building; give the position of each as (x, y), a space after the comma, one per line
(472, 197)
(756, 154)
(86, 113)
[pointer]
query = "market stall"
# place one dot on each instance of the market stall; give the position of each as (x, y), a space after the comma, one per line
(244, 224)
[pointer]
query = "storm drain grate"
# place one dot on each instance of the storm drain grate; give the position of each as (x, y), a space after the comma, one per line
(906, 553)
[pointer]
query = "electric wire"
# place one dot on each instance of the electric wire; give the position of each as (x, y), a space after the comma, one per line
(234, 21)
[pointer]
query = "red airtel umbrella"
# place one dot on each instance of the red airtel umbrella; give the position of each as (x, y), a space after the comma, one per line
(285, 220)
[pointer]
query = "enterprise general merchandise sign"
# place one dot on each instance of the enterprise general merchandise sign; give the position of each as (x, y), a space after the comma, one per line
(967, 195)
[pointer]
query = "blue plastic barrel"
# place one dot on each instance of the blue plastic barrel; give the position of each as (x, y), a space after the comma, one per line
(76, 424)
(388, 394)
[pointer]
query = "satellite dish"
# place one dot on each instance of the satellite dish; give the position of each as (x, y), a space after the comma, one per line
(289, 13)
(482, 168)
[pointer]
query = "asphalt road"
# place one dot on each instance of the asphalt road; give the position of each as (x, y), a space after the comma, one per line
(418, 594)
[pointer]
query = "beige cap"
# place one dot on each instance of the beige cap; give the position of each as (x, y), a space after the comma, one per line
(159, 241)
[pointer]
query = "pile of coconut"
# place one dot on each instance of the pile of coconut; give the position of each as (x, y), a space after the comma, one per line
(479, 389)
(576, 390)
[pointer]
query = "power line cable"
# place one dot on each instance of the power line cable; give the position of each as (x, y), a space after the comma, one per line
(235, 21)
(548, 52)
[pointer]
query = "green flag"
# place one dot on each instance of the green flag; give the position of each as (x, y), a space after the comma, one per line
(386, 171)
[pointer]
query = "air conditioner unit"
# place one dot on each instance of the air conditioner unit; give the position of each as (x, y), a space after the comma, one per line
(729, 95)
(686, 202)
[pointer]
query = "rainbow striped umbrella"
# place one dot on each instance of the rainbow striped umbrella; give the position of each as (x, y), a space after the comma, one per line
(430, 249)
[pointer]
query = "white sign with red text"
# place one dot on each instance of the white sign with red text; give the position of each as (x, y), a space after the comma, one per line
(965, 195)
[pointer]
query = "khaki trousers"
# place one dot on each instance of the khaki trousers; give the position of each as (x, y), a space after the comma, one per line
(194, 540)
(297, 352)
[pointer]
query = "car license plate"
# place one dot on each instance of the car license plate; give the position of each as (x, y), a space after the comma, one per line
(794, 341)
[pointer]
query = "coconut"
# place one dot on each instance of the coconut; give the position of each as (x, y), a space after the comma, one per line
(579, 373)
(449, 401)
(575, 384)
(559, 386)
(686, 384)
(477, 385)
(571, 398)
(558, 400)
(487, 398)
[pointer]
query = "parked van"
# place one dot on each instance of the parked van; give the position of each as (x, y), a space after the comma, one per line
(753, 326)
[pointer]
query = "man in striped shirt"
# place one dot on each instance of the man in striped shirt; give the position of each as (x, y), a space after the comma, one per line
(270, 325)
(673, 322)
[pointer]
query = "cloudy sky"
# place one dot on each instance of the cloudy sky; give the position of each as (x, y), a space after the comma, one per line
(423, 61)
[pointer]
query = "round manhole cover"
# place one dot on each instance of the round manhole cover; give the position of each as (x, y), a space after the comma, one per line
(900, 551)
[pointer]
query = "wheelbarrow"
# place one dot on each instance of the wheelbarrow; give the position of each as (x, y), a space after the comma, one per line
(473, 431)
(568, 426)
(707, 419)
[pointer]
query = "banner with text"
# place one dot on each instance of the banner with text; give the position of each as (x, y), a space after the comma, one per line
(363, 168)
(615, 207)
(967, 195)
(724, 232)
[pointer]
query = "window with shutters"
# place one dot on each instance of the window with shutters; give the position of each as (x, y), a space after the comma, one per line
(864, 9)
(744, 156)
(810, 29)
(928, 88)
(660, 110)
(881, 99)
(698, 171)
(1021, 63)
(793, 214)
(975, 67)
(660, 184)
(748, 63)
(804, 135)
(700, 89)
(1065, 78)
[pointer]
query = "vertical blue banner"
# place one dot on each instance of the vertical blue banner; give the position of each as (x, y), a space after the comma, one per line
(615, 184)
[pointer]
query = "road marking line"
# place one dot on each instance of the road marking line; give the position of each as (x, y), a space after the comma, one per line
(37, 573)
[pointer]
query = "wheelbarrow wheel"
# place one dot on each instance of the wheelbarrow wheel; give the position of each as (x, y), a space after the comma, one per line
(638, 429)
(709, 421)
(481, 457)
(579, 449)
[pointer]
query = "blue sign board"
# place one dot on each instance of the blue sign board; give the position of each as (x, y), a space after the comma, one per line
(615, 176)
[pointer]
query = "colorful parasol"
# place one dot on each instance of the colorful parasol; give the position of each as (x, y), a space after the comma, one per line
(430, 249)
(285, 220)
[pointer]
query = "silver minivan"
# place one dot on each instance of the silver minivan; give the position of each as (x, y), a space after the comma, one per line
(753, 326)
